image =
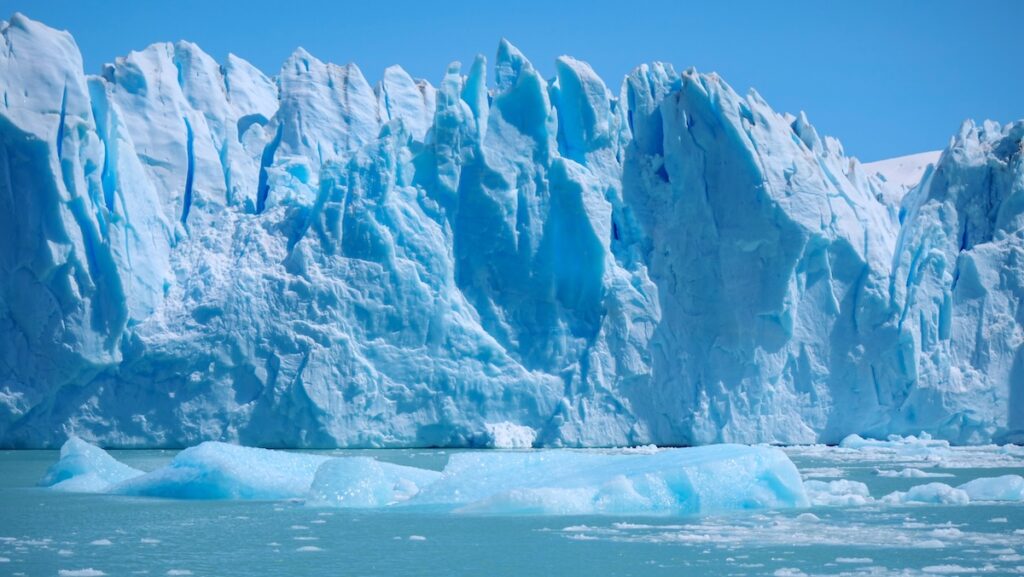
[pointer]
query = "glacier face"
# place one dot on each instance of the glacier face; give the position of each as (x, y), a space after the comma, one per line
(194, 251)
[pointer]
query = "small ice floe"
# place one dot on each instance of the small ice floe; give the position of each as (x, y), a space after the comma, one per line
(1005, 488)
(910, 473)
(822, 473)
(949, 569)
(841, 493)
(932, 493)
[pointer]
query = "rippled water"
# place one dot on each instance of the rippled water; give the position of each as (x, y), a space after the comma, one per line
(49, 533)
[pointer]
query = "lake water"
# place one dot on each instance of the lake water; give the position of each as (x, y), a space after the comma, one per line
(43, 532)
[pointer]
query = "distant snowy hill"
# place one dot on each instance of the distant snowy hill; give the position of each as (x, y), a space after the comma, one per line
(904, 171)
(191, 250)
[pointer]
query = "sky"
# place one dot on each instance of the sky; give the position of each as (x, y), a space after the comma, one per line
(886, 77)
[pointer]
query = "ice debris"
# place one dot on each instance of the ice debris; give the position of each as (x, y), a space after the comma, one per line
(841, 493)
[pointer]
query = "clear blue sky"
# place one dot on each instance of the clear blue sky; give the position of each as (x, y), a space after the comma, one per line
(887, 77)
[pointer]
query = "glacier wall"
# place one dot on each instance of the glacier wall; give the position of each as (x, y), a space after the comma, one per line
(190, 250)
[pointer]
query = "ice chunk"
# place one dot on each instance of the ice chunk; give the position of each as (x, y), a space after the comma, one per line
(85, 468)
(905, 445)
(842, 493)
(1004, 488)
(215, 470)
(508, 435)
(362, 482)
(932, 493)
(695, 480)
(910, 473)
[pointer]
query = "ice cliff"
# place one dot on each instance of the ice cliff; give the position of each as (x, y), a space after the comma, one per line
(191, 250)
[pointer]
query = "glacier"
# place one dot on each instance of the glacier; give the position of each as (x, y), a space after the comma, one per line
(194, 251)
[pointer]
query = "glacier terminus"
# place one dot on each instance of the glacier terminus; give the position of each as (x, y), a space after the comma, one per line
(193, 251)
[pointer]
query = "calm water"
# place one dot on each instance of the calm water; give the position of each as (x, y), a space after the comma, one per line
(49, 533)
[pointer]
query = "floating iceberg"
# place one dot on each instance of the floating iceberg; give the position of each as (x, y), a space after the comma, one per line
(215, 470)
(910, 444)
(841, 493)
(910, 473)
(1004, 488)
(85, 468)
(193, 250)
(365, 483)
(695, 480)
(930, 493)
(553, 482)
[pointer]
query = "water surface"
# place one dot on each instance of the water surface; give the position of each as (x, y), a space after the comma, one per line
(49, 533)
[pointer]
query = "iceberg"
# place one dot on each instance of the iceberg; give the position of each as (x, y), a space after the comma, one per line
(194, 250)
(697, 480)
(215, 470)
(86, 468)
(930, 493)
(919, 445)
(841, 493)
(1004, 488)
(365, 483)
(910, 473)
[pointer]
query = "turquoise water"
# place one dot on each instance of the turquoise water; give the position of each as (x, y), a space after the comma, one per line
(49, 533)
